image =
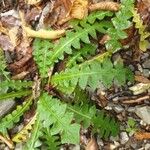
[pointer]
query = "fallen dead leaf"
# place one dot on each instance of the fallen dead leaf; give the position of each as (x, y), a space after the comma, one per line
(92, 145)
(45, 34)
(112, 6)
(5, 43)
(33, 2)
(142, 79)
(13, 35)
(142, 135)
(20, 75)
(79, 9)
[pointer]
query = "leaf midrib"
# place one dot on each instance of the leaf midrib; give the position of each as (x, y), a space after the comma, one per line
(72, 39)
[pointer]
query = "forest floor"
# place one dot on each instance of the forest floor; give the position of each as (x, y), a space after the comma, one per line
(129, 104)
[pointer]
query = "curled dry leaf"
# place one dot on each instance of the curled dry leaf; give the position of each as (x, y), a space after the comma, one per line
(45, 34)
(79, 9)
(92, 145)
(5, 43)
(112, 6)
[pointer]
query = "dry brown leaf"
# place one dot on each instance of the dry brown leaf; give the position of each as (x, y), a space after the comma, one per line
(3, 30)
(33, 2)
(112, 6)
(142, 135)
(142, 79)
(92, 145)
(45, 34)
(13, 35)
(104, 39)
(5, 43)
(20, 75)
(79, 9)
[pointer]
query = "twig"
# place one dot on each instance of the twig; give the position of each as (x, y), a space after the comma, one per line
(8, 142)
(112, 6)
(138, 100)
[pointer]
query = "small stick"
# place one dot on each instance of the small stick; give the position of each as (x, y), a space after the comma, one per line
(138, 100)
(8, 142)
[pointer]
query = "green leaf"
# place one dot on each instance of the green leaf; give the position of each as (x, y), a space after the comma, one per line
(13, 94)
(42, 54)
(36, 133)
(89, 74)
(81, 55)
(99, 15)
(121, 21)
(88, 115)
(53, 112)
(105, 125)
(52, 142)
(73, 39)
(3, 65)
(83, 114)
(8, 121)
(15, 84)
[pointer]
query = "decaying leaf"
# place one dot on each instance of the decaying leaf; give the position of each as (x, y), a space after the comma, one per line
(22, 135)
(33, 2)
(45, 34)
(139, 88)
(13, 35)
(92, 145)
(142, 135)
(79, 9)
(5, 43)
(112, 6)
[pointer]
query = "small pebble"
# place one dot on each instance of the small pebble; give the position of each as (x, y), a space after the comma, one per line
(131, 109)
(146, 72)
(147, 146)
(144, 56)
(118, 109)
(143, 113)
(140, 68)
(114, 146)
(124, 137)
(146, 64)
